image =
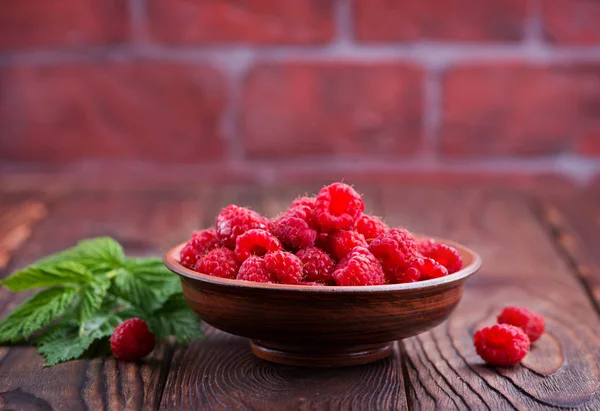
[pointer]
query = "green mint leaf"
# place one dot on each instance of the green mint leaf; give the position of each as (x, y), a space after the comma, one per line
(145, 283)
(99, 254)
(153, 273)
(64, 272)
(36, 313)
(176, 318)
(92, 295)
(64, 342)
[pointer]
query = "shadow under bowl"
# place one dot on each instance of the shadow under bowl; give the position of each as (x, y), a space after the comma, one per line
(323, 326)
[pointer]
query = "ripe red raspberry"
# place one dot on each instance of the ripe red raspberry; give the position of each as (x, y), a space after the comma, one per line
(304, 213)
(501, 344)
(342, 242)
(255, 269)
(233, 221)
(359, 267)
(293, 232)
(220, 262)
(428, 268)
(304, 201)
(530, 322)
(201, 243)
(370, 227)
(285, 266)
(131, 340)
(318, 266)
(337, 207)
(447, 256)
(255, 242)
(395, 249)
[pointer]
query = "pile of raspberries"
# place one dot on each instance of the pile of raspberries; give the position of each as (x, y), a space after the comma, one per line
(321, 240)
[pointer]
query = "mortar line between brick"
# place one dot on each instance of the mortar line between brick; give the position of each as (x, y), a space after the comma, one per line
(139, 20)
(533, 35)
(342, 23)
(426, 53)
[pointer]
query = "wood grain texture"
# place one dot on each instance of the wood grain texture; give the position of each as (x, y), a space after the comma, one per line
(221, 372)
(145, 223)
(574, 221)
(521, 267)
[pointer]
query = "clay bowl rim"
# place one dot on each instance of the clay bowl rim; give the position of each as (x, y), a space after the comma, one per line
(171, 260)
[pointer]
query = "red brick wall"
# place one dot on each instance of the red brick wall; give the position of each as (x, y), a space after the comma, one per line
(275, 89)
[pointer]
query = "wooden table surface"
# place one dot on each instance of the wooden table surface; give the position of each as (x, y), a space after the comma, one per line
(540, 250)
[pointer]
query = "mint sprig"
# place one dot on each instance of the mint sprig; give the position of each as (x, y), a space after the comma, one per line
(88, 290)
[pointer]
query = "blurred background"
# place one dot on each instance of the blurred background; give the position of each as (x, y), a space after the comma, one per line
(273, 91)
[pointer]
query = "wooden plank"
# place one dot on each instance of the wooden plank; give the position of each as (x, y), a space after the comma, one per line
(221, 372)
(521, 267)
(574, 221)
(146, 223)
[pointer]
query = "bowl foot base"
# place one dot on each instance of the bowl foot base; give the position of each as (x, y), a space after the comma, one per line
(318, 356)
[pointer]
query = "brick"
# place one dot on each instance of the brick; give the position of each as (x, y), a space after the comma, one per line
(246, 21)
(35, 24)
(462, 20)
(571, 21)
(149, 111)
(589, 144)
(302, 109)
(519, 110)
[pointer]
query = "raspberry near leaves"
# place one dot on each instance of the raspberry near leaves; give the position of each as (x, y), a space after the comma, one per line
(220, 262)
(202, 242)
(337, 207)
(255, 242)
(234, 221)
(255, 269)
(359, 267)
(285, 266)
(131, 340)
(501, 344)
(530, 322)
(317, 265)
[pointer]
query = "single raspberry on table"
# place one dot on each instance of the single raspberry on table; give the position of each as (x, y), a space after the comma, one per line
(428, 268)
(530, 322)
(285, 266)
(318, 266)
(293, 232)
(342, 242)
(255, 269)
(255, 242)
(337, 207)
(359, 267)
(395, 249)
(132, 340)
(370, 227)
(234, 221)
(447, 256)
(220, 262)
(202, 242)
(501, 344)
(304, 201)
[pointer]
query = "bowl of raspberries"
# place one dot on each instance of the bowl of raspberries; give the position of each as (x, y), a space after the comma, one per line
(322, 284)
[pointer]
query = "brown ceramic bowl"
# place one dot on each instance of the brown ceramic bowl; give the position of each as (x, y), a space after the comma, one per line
(323, 326)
